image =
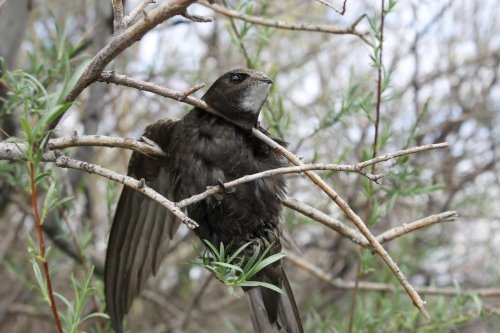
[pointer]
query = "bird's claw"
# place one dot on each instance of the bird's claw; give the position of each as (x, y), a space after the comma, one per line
(223, 188)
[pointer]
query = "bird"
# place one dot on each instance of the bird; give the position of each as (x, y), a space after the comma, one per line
(202, 150)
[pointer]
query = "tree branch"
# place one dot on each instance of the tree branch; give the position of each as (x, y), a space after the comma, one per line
(149, 148)
(127, 21)
(119, 43)
(118, 24)
(340, 11)
(63, 161)
(279, 171)
(342, 204)
(354, 235)
(336, 30)
(383, 287)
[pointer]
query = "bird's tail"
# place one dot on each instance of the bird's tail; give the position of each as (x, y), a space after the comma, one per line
(274, 312)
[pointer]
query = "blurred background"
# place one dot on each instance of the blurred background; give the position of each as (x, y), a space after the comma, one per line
(440, 83)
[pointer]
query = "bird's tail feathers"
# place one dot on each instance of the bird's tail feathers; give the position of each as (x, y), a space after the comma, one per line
(286, 317)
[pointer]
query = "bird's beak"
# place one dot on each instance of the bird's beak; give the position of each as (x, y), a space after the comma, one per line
(266, 79)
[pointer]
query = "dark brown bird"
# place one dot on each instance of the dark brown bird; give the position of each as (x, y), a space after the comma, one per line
(204, 150)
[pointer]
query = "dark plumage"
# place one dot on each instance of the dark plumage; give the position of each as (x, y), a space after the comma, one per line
(203, 150)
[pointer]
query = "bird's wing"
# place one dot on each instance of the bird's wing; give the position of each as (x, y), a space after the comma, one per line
(141, 229)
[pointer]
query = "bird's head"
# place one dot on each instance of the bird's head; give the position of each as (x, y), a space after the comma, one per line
(239, 95)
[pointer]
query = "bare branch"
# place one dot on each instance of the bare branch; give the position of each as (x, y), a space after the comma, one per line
(336, 30)
(415, 225)
(119, 43)
(354, 235)
(340, 11)
(385, 287)
(400, 153)
(129, 19)
(181, 96)
(326, 220)
(118, 23)
(14, 151)
(149, 148)
(268, 173)
(197, 18)
(63, 161)
(190, 91)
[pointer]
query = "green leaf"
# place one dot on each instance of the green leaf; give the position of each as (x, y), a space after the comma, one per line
(261, 284)
(261, 264)
(49, 197)
(48, 117)
(212, 248)
(71, 83)
(237, 252)
(230, 266)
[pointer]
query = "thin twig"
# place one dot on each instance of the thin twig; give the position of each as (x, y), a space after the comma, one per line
(63, 161)
(336, 30)
(340, 11)
(190, 91)
(193, 303)
(357, 238)
(379, 83)
(393, 233)
(355, 290)
(369, 208)
(43, 259)
(12, 151)
(181, 96)
(129, 19)
(118, 23)
(197, 18)
(279, 171)
(384, 287)
(242, 46)
(400, 153)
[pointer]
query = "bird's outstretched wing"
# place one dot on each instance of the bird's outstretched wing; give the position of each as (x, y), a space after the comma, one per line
(141, 229)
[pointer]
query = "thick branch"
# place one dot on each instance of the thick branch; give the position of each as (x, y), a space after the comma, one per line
(119, 43)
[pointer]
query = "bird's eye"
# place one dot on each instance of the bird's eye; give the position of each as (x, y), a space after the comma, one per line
(236, 78)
